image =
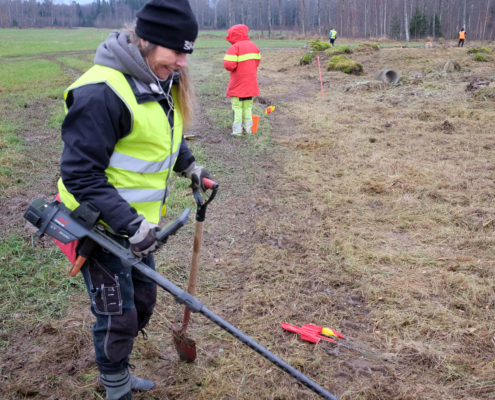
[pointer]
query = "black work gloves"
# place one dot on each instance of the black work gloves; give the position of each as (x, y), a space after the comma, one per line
(143, 240)
(196, 175)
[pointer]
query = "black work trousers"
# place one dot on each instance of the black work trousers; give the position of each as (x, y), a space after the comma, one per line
(122, 301)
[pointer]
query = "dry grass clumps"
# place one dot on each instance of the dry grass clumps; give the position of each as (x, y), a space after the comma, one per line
(345, 64)
(397, 186)
(372, 86)
(339, 50)
(485, 93)
(419, 354)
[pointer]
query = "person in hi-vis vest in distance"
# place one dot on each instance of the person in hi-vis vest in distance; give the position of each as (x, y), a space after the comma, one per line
(462, 37)
(242, 61)
(332, 36)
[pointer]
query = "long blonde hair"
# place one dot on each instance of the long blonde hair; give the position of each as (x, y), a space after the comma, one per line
(187, 95)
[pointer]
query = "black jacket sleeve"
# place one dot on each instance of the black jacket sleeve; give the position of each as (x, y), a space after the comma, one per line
(96, 120)
(184, 158)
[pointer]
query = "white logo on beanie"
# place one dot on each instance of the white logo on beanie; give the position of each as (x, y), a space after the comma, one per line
(188, 45)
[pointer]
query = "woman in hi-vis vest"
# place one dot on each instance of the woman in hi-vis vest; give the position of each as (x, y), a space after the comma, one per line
(122, 141)
(462, 37)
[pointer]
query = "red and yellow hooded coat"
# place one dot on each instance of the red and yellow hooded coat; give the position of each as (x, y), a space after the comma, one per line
(242, 60)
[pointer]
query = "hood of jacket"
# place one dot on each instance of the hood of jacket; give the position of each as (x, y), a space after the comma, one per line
(118, 53)
(237, 33)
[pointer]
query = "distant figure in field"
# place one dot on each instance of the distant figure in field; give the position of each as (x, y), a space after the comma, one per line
(462, 36)
(242, 60)
(332, 36)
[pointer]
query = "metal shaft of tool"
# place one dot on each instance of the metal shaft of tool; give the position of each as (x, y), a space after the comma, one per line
(196, 306)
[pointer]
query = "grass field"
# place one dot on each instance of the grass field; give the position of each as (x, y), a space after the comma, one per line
(370, 211)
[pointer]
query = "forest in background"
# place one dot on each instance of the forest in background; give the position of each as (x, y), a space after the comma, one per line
(395, 19)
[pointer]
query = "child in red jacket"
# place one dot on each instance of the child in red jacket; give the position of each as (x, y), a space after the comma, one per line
(242, 60)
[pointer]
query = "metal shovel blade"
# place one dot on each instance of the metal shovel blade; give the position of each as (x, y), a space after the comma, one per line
(185, 346)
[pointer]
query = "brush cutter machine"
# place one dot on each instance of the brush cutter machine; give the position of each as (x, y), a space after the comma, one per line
(66, 226)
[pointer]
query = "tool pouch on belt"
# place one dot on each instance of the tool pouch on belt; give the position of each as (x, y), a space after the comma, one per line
(104, 288)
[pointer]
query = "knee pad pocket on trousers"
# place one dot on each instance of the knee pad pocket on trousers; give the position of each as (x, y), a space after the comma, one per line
(119, 339)
(145, 301)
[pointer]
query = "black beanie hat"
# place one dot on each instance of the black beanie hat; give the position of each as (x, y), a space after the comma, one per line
(168, 23)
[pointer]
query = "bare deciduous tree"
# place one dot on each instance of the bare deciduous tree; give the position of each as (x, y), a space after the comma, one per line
(406, 21)
(269, 17)
(353, 18)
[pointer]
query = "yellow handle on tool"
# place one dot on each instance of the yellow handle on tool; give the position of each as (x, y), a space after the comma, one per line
(328, 332)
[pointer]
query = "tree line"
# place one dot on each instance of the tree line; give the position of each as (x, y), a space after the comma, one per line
(396, 19)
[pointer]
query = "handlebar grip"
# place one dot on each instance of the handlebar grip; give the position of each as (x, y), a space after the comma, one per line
(209, 184)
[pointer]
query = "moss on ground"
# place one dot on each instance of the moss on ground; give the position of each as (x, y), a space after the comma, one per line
(318, 46)
(477, 50)
(480, 57)
(339, 50)
(307, 58)
(369, 46)
(345, 64)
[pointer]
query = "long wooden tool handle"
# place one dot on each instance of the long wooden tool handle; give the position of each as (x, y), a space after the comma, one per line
(193, 273)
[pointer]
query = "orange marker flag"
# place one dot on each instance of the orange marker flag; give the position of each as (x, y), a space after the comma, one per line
(269, 109)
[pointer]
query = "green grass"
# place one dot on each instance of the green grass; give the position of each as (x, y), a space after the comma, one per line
(35, 79)
(34, 282)
(18, 42)
(56, 117)
(11, 146)
(21, 42)
(81, 63)
(25, 75)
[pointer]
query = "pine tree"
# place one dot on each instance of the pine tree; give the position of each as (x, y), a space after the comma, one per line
(395, 27)
(419, 25)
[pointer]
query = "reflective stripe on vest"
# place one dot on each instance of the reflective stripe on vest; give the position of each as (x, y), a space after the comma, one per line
(124, 161)
(244, 57)
(143, 195)
(142, 161)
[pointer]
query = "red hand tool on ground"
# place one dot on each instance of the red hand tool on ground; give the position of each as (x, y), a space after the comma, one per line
(313, 333)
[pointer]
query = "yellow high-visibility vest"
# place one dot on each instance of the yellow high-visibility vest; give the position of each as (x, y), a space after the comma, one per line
(142, 162)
